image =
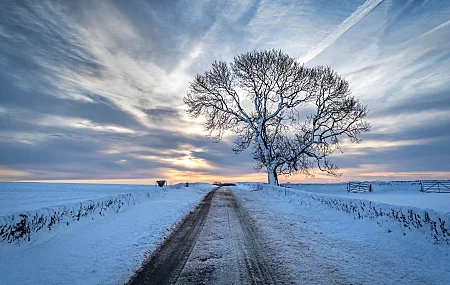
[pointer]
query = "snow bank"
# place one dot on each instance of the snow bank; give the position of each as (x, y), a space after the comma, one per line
(31, 226)
(401, 193)
(105, 250)
(433, 224)
(30, 196)
(325, 246)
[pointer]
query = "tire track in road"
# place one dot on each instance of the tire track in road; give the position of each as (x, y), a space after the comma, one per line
(255, 269)
(216, 244)
(166, 264)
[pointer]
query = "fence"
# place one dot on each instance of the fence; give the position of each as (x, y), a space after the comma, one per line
(359, 187)
(438, 186)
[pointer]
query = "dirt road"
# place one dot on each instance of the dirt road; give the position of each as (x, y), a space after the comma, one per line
(216, 244)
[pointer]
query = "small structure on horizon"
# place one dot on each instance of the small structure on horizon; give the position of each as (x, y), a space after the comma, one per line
(217, 183)
(161, 183)
(356, 186)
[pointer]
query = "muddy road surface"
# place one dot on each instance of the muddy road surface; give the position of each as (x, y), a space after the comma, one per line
(216, 244)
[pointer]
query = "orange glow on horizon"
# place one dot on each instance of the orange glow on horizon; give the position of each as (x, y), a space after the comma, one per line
(368, 172)
(179, 177)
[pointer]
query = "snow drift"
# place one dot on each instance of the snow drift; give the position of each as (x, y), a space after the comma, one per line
(432, 224)
(29, 226)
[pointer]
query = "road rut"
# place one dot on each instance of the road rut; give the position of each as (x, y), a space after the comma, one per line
(216, 244)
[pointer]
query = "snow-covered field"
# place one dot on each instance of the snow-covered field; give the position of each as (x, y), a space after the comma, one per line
(18, 197)
(103, 245)
(400, 210)
(402, 193)
(100, 234)
(323, 245)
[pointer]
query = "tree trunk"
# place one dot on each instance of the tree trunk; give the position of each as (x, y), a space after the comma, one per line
(272, 176)
(276, 176)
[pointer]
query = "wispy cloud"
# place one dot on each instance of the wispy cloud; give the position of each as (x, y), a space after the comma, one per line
(347, 24)
(93, 90)
(371, 145)
(11, 174)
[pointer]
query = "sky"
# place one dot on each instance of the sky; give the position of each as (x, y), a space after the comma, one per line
(91, 91)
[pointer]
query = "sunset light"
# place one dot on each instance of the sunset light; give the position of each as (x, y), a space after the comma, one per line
(97, 95)
(224, 142)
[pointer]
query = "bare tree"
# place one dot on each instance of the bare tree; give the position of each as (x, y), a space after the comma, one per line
(297, 114)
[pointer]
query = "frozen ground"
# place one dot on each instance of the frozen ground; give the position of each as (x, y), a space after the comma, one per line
(403, 193)
(230, 250)
(18, 197)
(216, 244)
(315, 238)
(106, 250)
(435, 201)
(321, 246)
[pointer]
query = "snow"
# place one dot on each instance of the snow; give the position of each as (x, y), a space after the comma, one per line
(104, 250)
(321, 233)
(321, 245)
(229, 250)
(214, 251)
(402, 193)
(435, 201)
(18, 197)
(433, 225)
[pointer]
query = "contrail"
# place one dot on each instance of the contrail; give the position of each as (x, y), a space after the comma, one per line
(433, 30)
(354, 18)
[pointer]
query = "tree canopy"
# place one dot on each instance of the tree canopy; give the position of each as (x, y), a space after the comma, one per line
(297, 115)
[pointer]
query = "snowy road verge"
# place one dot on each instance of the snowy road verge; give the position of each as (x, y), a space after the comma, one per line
(401, 193)
(103, 250)
(28, 227)
(31, 226)
(432, 225)
(321, 245)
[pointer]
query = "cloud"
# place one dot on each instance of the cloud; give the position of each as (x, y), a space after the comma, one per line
(379, 145)
(93, 90)
(11, 174)
(347, 24)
